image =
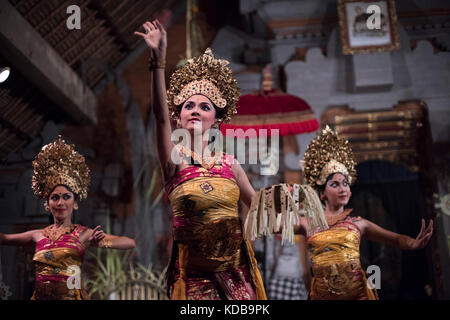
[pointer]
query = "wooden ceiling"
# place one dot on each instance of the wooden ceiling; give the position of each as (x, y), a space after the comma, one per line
(106, 35)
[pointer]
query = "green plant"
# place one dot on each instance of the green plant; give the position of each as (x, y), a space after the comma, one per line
(116, 271)
(110, 273)
(118, 274)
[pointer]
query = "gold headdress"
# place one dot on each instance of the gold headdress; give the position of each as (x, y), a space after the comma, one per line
(328, 154)
(59, 164)
(208, 76)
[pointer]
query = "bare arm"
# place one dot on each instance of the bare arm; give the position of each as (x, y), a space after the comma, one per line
(245, 187)
(303, 249)
(28, 238)
(97, 238)
(156, 39)
(116, 242)
(373, 232)
(164, 143)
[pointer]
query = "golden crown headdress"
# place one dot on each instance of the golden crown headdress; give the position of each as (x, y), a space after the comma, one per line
(59, 164)
(328, 154)
(208, 76)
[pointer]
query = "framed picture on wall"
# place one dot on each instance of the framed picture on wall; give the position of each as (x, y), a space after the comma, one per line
(368, 26)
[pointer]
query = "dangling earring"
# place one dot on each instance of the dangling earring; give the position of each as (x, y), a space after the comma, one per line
(178, 124)
(217, 124)
(75, 206)
(47, 208)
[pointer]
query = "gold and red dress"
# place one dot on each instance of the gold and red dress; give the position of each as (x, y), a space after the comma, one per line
(210, 258)
(55, 262)
(336, 265)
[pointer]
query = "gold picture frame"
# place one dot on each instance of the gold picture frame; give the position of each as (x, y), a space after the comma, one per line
(357, 37)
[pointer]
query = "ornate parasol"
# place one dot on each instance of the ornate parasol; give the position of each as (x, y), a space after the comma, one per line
(272, 109)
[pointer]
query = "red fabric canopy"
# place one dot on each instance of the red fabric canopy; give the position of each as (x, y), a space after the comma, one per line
(275, 109)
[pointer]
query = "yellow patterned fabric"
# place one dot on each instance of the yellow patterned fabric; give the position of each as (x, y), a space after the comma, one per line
(208, 221)
(55, 262)
(210, 254)
(336, 266)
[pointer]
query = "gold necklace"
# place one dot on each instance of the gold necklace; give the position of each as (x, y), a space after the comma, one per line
(335, 218)
(205, 162)
(53, 233)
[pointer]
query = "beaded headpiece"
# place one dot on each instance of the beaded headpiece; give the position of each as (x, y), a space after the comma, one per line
(207, 76)
(328, 154)
(59, 164)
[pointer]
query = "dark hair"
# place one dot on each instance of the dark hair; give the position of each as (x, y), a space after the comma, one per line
(220, 113)
(63, 185)
(321, 188)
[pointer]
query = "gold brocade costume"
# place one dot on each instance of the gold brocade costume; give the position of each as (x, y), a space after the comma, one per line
(213, 235)
(336, 266)
(58, 257)
(57, 261)
(334, 251)
(210, 258)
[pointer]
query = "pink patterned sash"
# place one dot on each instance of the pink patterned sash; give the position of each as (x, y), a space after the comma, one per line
(219, 170)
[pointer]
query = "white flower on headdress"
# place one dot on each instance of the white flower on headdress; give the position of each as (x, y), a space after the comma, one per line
(301, 163)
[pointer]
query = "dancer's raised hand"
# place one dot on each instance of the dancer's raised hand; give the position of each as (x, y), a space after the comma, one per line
(155, 36)
(423, 237)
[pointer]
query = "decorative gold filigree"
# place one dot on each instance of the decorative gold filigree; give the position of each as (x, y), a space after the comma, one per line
(219, 240)
(54, 234)
(204, 67)
(59, 164)
(327, 154)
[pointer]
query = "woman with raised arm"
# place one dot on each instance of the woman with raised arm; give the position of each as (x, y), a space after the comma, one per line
(61, 178)
(210, 259)
(337, 273)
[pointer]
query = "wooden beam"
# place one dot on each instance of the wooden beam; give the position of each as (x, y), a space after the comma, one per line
(101, 33)
(44, 67)
(63, 22)
(53, 13)
(103, 14)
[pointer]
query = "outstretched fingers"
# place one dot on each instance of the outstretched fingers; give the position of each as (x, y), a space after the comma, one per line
(94, 232)
(99, 234)
(139, 34)
(424, 241)
(422, 230)
(146, 28)
(425, 234)
(151, 26)
(430, 226)
(159, 25)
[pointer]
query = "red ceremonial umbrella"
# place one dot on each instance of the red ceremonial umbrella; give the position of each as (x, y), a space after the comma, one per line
(271, 109)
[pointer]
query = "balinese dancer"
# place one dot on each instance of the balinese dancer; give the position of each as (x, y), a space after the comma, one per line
(337, 273)
(61, 178)
(210, 258)
(333, 237)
